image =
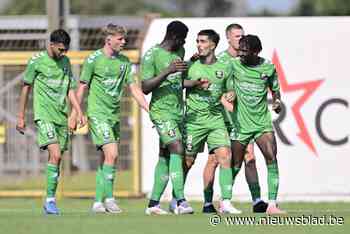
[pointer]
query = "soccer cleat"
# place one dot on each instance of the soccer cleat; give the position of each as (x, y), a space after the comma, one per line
(155, 210)
(172, 205)
(272, 209)
(209, 209)
(98, 207)
(260, 207)
(111, 206)
(183, 208)
(226, 207)
(51, 208)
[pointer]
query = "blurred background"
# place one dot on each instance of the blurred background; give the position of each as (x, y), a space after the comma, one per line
(25, 26)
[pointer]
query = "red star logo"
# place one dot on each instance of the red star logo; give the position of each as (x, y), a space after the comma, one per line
(309, 87)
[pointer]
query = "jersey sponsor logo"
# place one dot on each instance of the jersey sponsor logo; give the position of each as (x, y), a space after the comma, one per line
(219, 74)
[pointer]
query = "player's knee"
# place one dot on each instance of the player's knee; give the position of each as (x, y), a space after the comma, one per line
(212, 162)
(250, 164)
(176, 148)
(189, 161)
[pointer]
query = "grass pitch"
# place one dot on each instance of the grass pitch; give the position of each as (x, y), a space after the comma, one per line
(25, 216)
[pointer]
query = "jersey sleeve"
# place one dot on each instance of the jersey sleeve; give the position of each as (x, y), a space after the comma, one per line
(229, 84)
(273, 82)
(148, 66)
(88, 70)
(69, 73)
(30, 72)
(129, 76)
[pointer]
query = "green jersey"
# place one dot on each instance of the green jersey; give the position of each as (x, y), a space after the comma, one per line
(106, 78)
(204, 103)
(167, 99)
(251, 85)
(226, 57)
(51, 80)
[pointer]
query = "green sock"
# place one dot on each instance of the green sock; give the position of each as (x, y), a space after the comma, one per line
(52, 173)
(100, 186)
(272, 180)
(208, 193)
(177, 175)
(254, 190)
(225, 181)
(161, 177)
(109, 176)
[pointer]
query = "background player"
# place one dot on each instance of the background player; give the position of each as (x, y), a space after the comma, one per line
(106, 72)
(49, 74)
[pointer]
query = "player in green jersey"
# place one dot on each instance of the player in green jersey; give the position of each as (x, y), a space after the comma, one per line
(49, 74)
(106, 72)
(253, 77)
(234, 33)
(204, 119)
(161, 70)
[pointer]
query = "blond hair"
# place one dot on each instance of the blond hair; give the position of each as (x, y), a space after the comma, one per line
(112, 29)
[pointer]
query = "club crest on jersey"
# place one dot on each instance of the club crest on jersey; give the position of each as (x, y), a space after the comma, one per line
(264, 76)
(50, 135)
(219, 74)
(122, 68)
(171, 133)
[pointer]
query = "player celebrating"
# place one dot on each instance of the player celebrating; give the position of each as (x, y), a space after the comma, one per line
(49, 74)
(105, 73)
(234, 33)
(253, 76)
(161, 72)
(204, 118)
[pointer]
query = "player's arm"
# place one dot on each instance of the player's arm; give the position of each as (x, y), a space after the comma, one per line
(148, 85)
(85, 78)
(138, 95)
(227, 100)
(276, 94)
(28, 80)
(21, 125)
(78, 114)
(201, 83)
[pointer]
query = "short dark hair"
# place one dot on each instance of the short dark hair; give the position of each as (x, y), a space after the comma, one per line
(252, 42)
(176, 28)
(233, 26)
(212, 35)
(60, 36)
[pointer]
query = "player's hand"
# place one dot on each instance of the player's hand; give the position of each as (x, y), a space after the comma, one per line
(276, 106)
(194, 57)
(72, 123)
(177, 66)
(21, 125)
(230, 96)
(82, 121)
(203, 83)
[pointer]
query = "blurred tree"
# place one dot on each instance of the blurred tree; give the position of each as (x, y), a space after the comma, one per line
(87, 7)
(322, 7)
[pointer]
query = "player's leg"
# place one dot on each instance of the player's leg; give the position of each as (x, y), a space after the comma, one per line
(208, 182)
(187, 165)
(105, 135)
(49, 139)
(110, 152)
(219, 143)
(161, 178)
(267, 145)
(252, 178)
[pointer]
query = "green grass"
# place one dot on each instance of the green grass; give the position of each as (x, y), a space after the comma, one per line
(25, 216)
